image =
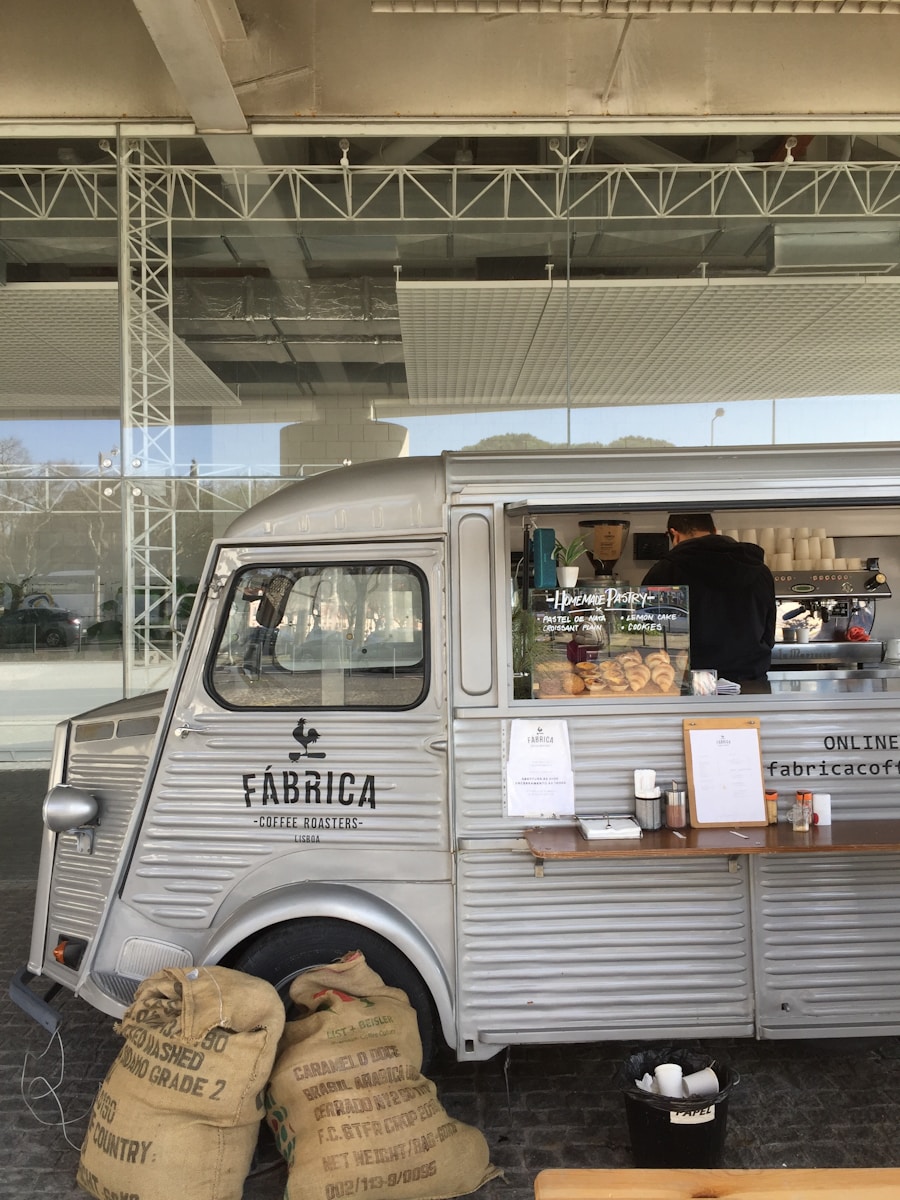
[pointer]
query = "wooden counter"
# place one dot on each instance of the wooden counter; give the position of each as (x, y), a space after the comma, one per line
(858, 837)
(839, 1183)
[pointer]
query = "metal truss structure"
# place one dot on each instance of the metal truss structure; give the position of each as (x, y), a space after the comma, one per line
(162, 193)
(148, 414)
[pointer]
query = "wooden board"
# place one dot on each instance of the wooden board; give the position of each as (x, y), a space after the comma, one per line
(844, 1183)
(723, 760)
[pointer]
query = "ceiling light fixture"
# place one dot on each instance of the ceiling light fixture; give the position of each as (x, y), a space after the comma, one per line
(579, 146)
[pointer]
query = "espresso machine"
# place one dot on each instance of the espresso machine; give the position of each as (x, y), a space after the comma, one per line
(827, 616)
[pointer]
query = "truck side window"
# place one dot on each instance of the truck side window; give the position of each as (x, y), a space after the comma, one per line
(336, 635)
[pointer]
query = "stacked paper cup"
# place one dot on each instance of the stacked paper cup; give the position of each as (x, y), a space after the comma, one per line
(800, 549)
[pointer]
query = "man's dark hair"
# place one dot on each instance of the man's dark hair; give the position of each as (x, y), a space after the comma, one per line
(691, 523)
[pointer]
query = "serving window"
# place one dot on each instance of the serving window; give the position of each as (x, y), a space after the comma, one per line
(335, 635)
(837, 618)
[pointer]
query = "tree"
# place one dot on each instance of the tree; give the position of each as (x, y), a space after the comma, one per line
(635, 441)
(509, 441)
(528, 441)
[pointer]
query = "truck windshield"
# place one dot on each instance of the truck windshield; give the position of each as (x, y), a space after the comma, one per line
(336, 635)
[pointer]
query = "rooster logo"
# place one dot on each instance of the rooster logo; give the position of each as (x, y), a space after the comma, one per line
(305, 738)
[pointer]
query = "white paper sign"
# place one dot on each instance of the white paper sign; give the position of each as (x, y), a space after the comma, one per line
(697, 1116)
(539, 778)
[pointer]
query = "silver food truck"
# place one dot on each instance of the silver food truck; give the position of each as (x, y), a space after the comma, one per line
(350, 757)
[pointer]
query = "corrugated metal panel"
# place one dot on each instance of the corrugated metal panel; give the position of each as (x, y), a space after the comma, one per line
(602, 949)
(827, 943)
(849, 750)
(81, 882)
(201, 838)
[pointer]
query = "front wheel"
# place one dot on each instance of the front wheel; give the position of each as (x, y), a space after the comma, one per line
(283, 952)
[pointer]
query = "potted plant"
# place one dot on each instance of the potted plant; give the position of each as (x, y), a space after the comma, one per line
(567, 555)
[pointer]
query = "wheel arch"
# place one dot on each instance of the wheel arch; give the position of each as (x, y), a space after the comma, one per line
(345, 903)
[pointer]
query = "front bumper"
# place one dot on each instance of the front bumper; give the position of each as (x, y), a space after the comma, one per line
(37, 1007)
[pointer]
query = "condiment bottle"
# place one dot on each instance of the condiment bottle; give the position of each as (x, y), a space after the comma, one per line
(771, 806)
(676, 808)
(801, 814)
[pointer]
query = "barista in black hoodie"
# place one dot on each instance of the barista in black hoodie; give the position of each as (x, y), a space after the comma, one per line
(731, 597)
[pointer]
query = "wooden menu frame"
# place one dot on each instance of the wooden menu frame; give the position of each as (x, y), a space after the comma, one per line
(725, 772)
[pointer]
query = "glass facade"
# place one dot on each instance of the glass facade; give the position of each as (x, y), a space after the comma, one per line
(182, 338)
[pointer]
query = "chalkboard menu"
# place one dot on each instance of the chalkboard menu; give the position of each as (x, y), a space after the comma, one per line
(608, 641)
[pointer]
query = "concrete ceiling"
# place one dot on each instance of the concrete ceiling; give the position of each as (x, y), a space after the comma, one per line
(284, 308)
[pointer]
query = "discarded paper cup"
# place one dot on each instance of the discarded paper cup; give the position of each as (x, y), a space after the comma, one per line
(669, 1080)
(701, 1083)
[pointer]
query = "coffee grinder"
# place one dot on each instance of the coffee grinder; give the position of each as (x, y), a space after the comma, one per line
(607, 544)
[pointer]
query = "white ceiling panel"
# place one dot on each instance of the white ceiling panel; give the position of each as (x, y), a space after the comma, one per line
(60, 347)
(655, 342)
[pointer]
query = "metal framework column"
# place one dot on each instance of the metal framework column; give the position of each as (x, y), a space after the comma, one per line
(148, 415)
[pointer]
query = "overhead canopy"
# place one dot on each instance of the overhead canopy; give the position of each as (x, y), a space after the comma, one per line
(628, 342)
(60, 345)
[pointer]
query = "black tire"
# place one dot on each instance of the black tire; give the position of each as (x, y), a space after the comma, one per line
(282, 952)
(53, 638)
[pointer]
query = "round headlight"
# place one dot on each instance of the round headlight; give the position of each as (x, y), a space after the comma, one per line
(68, 807)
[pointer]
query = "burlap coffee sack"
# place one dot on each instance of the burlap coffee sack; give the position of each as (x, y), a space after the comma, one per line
(180, 1107)
(350, 1109)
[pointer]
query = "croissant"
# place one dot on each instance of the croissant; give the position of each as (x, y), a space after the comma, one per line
(637, 676)
(630, 656)
(656, 657)
(663, 675)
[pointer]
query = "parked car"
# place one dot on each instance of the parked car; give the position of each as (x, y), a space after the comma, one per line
(39, 627)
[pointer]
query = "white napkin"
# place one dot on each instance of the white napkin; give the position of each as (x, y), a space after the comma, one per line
(725, 687)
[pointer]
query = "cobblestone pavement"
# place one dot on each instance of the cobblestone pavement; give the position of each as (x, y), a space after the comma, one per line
(798, 1103)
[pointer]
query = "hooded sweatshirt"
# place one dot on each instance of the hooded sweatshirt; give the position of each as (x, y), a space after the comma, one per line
(731, 599)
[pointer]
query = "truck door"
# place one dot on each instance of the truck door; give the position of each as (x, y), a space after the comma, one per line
(307, 742)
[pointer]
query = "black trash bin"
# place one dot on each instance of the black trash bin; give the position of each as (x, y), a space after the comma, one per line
(666, 1132)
